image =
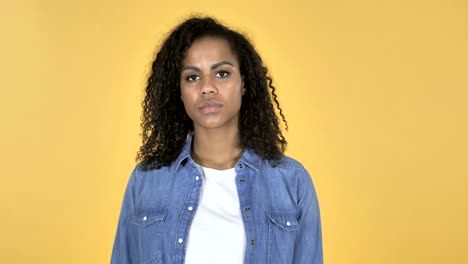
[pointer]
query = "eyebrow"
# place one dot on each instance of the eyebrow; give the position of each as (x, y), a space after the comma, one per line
(214, 66)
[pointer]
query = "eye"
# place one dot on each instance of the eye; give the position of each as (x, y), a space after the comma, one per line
(222, 74)
(192, 78)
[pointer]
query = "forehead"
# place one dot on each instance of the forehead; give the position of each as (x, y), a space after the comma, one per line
(213, 49)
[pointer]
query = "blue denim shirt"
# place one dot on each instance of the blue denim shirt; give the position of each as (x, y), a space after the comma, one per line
(279, 208)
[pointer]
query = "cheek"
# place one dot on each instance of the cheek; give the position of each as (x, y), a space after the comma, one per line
(237, 98)
(184, 95)
(188, 100)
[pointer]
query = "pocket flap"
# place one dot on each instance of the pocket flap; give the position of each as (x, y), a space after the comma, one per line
(145, 217)
(286, 221)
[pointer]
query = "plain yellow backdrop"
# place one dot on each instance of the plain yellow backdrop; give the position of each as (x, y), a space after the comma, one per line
(375, 93)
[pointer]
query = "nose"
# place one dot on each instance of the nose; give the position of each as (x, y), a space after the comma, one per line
(208, 86)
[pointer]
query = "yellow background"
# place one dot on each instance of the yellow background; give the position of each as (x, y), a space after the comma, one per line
(375, 93)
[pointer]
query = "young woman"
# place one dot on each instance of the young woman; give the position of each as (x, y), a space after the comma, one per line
(213, 185)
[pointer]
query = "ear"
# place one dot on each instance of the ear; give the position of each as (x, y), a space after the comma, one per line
(180, 93)
(242, 86)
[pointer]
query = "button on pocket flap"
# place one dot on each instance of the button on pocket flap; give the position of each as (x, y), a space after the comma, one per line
(145, 217)
(286, 221)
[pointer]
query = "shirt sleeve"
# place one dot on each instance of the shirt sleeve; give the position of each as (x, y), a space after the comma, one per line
(308, 246)
(123, 247)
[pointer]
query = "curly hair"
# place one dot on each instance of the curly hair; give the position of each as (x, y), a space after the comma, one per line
(164, 122)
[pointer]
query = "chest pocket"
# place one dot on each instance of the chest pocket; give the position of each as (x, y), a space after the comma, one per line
(148, 229)
(282, 231)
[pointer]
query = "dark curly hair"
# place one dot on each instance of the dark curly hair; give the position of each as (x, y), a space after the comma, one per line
(165, 123)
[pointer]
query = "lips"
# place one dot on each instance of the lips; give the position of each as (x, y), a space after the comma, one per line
(210, 106)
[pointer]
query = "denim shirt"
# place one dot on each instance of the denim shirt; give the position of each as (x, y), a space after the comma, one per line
(279, 209)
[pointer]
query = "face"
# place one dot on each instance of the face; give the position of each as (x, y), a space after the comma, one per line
(211, 84)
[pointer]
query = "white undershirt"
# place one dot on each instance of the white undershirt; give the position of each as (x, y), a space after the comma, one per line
(217, 232)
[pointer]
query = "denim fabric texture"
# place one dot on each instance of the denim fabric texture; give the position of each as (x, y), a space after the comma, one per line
(279, 208)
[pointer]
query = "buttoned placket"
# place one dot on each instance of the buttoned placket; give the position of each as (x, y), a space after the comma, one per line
(244, 184)
(187, 214)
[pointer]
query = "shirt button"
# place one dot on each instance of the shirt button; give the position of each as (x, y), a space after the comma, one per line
(241, 165)
(190, 208)
(252, 242)
(288, 223)
(242, 180)
(180, 241)
(197, 178)
(145, 218)
(247, 208)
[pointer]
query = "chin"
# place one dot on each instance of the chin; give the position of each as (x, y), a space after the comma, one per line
(215, 121)
(211, 125)
(214, 124)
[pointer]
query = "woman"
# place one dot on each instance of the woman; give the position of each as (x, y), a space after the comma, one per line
(213, 185)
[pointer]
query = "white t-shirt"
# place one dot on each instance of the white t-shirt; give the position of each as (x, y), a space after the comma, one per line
(217, 232)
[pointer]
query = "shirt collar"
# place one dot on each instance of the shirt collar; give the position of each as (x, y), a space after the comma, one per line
(248, 157)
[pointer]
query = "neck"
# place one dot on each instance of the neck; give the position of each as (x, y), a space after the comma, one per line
(217, 149)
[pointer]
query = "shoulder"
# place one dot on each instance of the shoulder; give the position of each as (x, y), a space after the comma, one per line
(289, 169)
(288, 162)
(287, 179)
(145, 185)
(285, 164)
(140, 175)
